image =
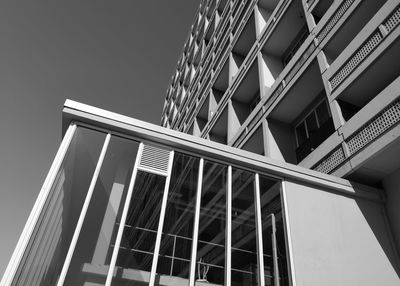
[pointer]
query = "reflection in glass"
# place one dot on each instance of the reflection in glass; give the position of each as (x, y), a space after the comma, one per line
(210, 260)
(93, 251)
(176, 242)
(45, 255)
(137, 245)
(271, 204)
(244, 247)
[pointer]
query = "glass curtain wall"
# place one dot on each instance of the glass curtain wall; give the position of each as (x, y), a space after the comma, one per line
(45, 254)
(210, 260)
(90, 261)
(244, 243)
(136, 251)
(274, 249)
(176, 243)
(93, 250)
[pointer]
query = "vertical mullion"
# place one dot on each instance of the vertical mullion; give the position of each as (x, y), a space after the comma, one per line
(228, 238)
(260, 249)
(288, 237)
(274, 250)
(37, 208)
(123, 218)
(161, 221)
(82, 215)
(196, 224)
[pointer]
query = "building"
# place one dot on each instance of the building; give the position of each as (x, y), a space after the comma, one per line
(291, 177)
(309, 82)
(131, 203)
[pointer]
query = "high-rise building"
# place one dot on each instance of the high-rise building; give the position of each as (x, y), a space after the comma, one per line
(314, 83)
(304, 189)
(308, 82)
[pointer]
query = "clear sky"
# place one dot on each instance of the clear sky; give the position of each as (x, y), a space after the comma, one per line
(117, 54)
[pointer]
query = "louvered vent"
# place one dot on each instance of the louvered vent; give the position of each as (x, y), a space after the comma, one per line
(154, 159)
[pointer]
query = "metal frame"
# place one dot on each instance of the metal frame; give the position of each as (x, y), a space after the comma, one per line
(161, 222)
(82, 215)
(260, 250)
(33, 218)
(228, 231)
(274, 250)
(196, 224)
(288, 237)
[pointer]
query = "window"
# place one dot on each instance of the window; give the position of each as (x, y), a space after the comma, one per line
(313, 130)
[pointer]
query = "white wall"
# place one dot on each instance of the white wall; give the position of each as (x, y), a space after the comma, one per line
(337, 240)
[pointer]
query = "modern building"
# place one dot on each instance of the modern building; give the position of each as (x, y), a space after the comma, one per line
(131, 203)
(314, 83)
(291, 178)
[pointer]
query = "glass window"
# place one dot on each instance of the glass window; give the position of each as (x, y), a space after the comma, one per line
(45, 255)
(301, 133)
(274, 248)
(140, 231)
(176, 242)
(92, 254)
(244, 247)
(312, 125)
(210, 259)
(322, 113)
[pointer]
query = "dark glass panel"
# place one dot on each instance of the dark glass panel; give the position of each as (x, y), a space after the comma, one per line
(244, 247)
(92, 255)
(176, 242)
(301, 133)
(271, 211)
(210, 259)
(44, 258)
(140, 231)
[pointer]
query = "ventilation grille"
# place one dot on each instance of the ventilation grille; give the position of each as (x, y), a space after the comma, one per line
(334, 19)
(154, 159)
(375, 127)
(393, 20)
(331, 161)
(356, 59)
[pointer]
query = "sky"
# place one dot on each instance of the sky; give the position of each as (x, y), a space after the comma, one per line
(118, 55)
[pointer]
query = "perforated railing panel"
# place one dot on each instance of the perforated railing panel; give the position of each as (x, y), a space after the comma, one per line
(375, 127)
(331, 161)
(334, 19)
(154, 159)
(356, 59)
(393, 20)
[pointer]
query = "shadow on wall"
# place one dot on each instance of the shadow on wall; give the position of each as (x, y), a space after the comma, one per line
(376, 217)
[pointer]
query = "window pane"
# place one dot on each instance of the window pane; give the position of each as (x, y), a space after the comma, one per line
(301, 133)
(45, 255)
(311, 124)
(244, 247)
(176, 242)
(92, 255)
(271, 205)
(140, 231)
(210, 261)
(322, 113)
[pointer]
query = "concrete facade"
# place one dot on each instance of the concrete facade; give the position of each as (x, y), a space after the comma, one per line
(288, 175)
(312, 83)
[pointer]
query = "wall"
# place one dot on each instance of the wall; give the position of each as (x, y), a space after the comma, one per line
(337, 240)
(392, 189)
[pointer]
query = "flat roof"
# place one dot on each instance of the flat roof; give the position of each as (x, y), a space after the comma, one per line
(83, 114)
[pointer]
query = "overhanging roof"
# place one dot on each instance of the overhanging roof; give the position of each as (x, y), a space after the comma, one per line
(75, 112)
